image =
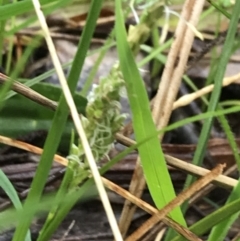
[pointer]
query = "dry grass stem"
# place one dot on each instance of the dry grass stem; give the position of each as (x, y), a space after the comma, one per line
(44, 101)
(160, 235)
(33, 95)
(77, 123)
(221, 180)
(149, 209)
(182, 197)
(67, 231)
(153, 233)
(28, 92)
(136, 187)
(204, 191)
(176, 63)
(28, 147)
(187, 99)
(237, 237)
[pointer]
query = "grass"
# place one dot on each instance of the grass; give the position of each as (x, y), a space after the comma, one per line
(151, 155)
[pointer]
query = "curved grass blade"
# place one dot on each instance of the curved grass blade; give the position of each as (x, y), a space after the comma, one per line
(20, 7)
(9, 189)
(58, 125)
(226, 52)
(219, 232)
(220, 215)
(89, 184)
(152, 158)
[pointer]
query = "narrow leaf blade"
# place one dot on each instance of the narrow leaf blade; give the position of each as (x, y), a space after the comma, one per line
(152, 158)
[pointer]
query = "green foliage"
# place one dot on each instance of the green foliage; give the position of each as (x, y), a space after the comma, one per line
(9, 189)
(220, 215)
(227, 3)
(219, 232)
(202, 143)
(103, 119)
(57, 128)
(9, 10)
(30, 116)
(152, 158)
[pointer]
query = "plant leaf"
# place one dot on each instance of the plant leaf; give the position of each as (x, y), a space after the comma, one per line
(9, 189)
(31, 116)
(152, 159)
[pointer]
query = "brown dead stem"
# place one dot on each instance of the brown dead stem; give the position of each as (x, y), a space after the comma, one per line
(204, 191)
(182, 197)
(28, 147)
(28, 92)
(221, 180)
(148, 208)
(136, 201)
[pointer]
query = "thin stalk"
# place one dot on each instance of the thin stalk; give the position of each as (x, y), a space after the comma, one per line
(56, 130)
(226, 53)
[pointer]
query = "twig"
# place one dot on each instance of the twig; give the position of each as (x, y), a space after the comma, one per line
(77, 122)
(28, 147)
(186, 99)
(148, 208)
(221, 180)
(182, 197)
(28, 92)
(52, 105)
(68, 230)
(207, 47)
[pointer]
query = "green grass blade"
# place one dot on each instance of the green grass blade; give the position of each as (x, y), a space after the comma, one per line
(2, 31)
(226, 52)
(152, 158)
(10, 217)
(18, 68)
(31, 20)
(87, 85)
(219, 232)
(61, 195)
(9, 10)
(58, 124)
(9, 189)
(229, 135)
(47, 74)
(64, 210)
(31, 116)
(72, 199)
(220, 9)
(205, 224)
